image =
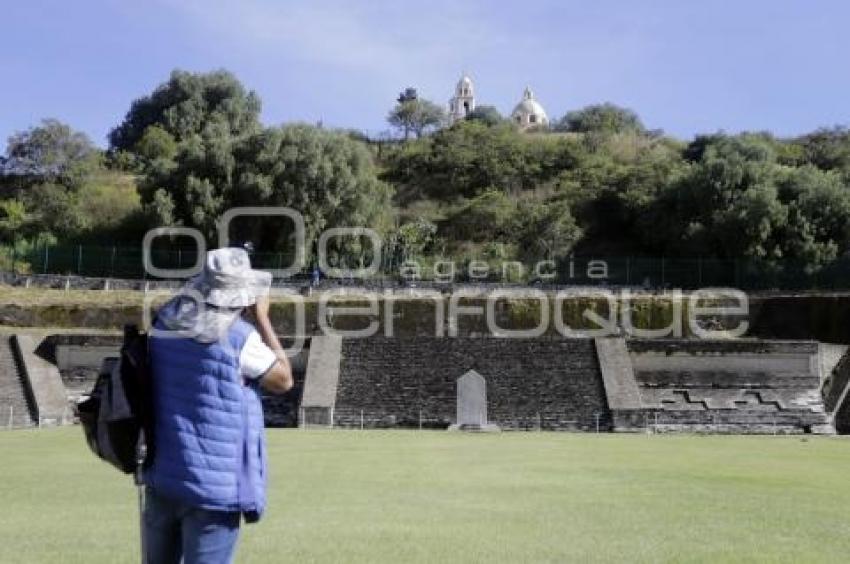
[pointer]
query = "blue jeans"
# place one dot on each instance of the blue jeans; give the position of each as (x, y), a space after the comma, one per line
(174, 530)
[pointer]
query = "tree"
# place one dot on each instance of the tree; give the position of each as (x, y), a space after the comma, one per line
(601, 118)
(545, 230)
(51, 152)
(488, 115)
(190, 104)
(205, 153)
(194, 186)
(415, 115)
(58, 181)
(184, 134)
(726, 206)
(818, 207)
(326, 175)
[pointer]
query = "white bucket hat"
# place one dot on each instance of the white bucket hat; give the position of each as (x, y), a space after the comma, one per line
(229, 281)
(227, 284)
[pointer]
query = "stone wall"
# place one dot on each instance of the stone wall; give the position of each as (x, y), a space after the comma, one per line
(801, 316)
(541, 383)
(79, 358)
(550, 383)
(741, 386)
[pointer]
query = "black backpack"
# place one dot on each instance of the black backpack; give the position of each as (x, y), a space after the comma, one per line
(117, 416)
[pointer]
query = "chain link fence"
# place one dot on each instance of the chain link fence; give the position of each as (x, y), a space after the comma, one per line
(123, 262)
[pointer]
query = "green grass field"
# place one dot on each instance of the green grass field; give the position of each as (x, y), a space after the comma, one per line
(398, 497)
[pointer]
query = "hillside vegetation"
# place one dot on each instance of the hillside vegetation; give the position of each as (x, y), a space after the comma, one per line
(598, 183)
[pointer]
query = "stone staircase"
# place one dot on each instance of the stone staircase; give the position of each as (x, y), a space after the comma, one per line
(15, 409)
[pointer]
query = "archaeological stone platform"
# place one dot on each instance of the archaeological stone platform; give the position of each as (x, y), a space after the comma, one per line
(546, 383)
(582, 384)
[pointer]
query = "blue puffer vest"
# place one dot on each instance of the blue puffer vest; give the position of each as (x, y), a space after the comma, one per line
(208, 428)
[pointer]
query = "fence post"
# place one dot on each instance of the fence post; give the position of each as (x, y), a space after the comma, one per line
(13, 259)
(79, 260)
(11, 415)
(112, 263)
(662, 272)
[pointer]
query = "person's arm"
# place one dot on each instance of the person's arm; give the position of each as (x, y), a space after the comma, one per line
(278, 378)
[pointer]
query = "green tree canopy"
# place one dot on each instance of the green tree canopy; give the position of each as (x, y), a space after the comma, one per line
(727, 205)
(326, 175)
(190, 104)
(818, 207)
(416, 115)
(600, 118)
(51, 152)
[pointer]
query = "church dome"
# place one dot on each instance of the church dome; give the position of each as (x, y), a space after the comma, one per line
(529, 112)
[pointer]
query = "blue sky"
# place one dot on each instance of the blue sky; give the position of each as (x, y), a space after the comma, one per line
(685, 67)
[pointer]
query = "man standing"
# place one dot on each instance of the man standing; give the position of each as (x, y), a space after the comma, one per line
(208, 363)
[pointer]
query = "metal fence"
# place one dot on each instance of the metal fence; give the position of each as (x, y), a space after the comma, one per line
(686, 273)
(14, 416)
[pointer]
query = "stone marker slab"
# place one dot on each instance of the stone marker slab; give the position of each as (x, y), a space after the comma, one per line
(472, 403)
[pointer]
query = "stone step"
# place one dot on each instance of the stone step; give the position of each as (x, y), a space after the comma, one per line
(15, 409)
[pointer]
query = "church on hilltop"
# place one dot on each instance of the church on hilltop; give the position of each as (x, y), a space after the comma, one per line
(526, 114)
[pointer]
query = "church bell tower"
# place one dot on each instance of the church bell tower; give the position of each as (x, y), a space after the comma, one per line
(463, 102)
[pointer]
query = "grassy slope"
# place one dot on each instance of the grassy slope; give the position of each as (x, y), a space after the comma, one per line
(439, 497)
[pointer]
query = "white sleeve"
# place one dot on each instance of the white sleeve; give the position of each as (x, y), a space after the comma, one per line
(256, 357)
